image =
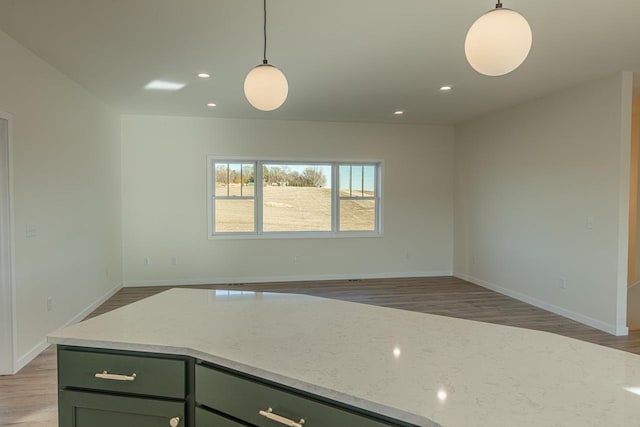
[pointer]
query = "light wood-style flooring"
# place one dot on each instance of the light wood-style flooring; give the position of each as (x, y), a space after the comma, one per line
(30, 397)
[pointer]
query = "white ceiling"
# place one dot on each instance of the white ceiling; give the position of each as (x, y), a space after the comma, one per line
(345, 60)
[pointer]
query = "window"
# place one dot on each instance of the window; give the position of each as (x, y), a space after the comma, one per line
(296, 197)
(234, 197)
(357, 197)
(276, 198)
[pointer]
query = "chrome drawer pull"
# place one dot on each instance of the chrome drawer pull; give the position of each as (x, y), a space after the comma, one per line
(117, 377)
(282, 420)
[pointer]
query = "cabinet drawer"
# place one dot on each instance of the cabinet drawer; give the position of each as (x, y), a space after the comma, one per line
(144, 375)
(206, 418)
(243, 398)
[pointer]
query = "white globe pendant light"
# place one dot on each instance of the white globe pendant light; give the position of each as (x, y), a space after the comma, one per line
(265, 87)
(498, 42)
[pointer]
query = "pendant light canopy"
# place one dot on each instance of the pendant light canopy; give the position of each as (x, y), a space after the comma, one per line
(265, 87)
(498, 42)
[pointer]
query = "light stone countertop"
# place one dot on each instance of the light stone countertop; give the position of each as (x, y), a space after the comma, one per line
(419, 368)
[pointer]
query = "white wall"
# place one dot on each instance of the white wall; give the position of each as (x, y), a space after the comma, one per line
(633, 295)
(528, 180)
(7, 356)
(165, 207)
(634, 220)
(66, 156)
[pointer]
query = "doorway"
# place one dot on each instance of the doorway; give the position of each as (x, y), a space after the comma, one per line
(7, 288)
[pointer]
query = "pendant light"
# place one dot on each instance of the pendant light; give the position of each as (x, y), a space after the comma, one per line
(498, 42)
(265, 86)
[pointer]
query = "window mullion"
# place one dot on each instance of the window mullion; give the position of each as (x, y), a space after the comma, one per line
(377, 192)
(212, 196)
(258, 194)
(335, 198)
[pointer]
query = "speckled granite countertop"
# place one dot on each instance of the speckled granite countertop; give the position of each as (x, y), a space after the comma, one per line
(415, 367)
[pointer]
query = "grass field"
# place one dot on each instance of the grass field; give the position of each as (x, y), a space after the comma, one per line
(293, 209)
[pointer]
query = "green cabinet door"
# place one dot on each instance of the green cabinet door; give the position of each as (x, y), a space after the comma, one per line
(85, 409)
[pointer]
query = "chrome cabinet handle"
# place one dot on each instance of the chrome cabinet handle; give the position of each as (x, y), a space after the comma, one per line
(117, 377)
(282, 420)
(173, 422)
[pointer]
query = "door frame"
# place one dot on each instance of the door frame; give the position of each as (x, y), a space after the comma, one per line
(8, 337)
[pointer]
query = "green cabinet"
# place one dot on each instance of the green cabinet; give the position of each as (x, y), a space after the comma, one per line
(87, 409)
(98, 388)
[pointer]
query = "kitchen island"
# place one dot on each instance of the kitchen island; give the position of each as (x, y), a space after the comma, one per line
(315, 362)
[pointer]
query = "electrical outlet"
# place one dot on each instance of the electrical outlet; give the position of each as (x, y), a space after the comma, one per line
(147, 260)
(563, 283)
(296, 259)
(588, 224)
(473, 260)
(49, 303)
(32, 230)
(174, 260)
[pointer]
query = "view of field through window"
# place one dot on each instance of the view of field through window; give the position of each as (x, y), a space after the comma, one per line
(357, 197)
(235, 197)
(295, 197)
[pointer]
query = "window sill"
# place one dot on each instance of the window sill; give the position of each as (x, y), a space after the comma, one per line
(293, 235)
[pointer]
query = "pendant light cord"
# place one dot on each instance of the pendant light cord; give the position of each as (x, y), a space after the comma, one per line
(264, 54)
(498, 5)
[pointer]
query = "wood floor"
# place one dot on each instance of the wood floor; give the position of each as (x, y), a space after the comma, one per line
(30, 397)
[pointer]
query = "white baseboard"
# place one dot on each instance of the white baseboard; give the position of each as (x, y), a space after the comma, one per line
(30, 355)
(586, 320)
(43, 345)
(266, 279)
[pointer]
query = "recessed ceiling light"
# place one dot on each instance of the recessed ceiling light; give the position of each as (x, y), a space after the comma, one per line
(211, 104)
(634, 390)
(164, 85)
(445, 88)
(203, 75)
(397, 352)
(398, 113)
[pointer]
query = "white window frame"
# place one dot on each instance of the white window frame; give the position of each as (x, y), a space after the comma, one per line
(211, 197)
(259, 233)
(376, 197)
